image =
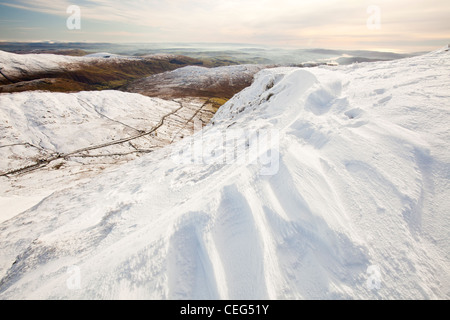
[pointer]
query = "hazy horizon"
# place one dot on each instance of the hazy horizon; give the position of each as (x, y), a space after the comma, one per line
(403, 26)
(234, 53)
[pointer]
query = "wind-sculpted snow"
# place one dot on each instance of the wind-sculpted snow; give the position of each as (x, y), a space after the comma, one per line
(353, 206)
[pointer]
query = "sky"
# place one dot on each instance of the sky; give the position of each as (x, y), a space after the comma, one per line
(399, 26)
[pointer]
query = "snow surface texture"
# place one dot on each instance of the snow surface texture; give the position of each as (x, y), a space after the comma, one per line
(356, 206)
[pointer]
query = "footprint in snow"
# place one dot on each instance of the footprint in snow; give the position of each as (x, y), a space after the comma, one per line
(383, 100)
(355, 114)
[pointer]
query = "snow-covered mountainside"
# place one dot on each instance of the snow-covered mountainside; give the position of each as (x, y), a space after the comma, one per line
(195, 81)
(62, 123)
(312, 183)
(57, 73)
(15, 65)
(66, 137)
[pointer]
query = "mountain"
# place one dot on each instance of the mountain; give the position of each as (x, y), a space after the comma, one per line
(21, 72)
(68, 137)
(313, 183)
(195, 81)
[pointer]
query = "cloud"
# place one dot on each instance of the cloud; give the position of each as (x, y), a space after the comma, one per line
(275, 21)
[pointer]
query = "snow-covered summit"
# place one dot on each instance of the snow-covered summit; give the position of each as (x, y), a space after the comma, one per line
(312, 183)
(15, 64)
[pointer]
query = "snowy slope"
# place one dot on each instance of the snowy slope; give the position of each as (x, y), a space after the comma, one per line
(63, 122)
(82, 134)
(16, 64)
(96, 70)
(350, 202)
(197, 81)
(39, 123)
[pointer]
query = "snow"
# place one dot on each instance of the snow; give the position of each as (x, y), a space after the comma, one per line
(14, 65)
(350, 202)
(196, 79)
(192, 72)
(13, 205)
(104, 55)
(65, 122)
(201, 76)
(42, 125)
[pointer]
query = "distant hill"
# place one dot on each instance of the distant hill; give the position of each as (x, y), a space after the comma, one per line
(89, 73)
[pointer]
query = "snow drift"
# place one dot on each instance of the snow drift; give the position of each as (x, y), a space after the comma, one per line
(354, 206)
